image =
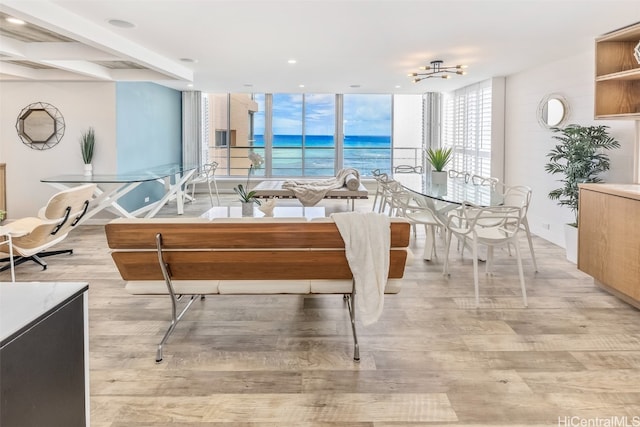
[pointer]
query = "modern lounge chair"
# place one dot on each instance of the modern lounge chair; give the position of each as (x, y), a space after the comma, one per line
(32, 236)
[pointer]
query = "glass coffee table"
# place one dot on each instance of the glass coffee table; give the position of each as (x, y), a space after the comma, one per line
(308, 212)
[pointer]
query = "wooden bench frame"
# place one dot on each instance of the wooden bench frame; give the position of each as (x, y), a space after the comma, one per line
(273, 189)
(234, 256)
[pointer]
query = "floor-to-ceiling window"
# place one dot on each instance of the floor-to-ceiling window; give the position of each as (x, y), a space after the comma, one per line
(467, 128)
(319, 135)
(367, 132)
(287, 124)
(306, 135)
(408, 130)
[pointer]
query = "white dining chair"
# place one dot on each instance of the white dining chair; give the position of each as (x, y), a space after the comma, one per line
(408, 169)
(485, 180)
(520, 196)
(380, 177)
(404, 205)
(206, 175)
(492, 226)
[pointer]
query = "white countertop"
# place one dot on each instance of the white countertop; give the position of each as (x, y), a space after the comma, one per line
(22, 303)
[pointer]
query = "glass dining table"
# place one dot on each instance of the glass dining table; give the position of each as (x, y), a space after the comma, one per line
(442, 198)
(111, 187)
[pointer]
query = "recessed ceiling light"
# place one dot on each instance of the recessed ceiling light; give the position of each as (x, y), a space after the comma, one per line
(398, 86)
(300, 85)
(120, 23)
(354, 86)
(189, 60)
(248, 85)
(15, 21)
(190, 85)
(292, 61)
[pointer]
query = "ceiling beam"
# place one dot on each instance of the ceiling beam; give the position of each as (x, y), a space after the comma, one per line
(55, 18)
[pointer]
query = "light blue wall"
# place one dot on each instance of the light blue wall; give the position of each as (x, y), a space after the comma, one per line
(148, 134)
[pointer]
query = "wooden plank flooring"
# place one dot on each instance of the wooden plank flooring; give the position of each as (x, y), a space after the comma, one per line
(432, 359)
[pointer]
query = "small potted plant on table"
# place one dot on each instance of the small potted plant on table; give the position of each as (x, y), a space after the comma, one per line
(87, 143)
(439, 158)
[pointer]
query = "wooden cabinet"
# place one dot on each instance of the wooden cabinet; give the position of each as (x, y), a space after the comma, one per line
(617, 91)
(609, 237)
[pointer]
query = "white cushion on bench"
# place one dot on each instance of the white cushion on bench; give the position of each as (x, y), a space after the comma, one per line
(180, 287)
(197, 287)
(264, 287)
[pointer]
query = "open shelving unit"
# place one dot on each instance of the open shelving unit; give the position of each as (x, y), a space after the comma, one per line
(617, 91)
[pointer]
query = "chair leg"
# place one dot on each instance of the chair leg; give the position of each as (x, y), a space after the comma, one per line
(488, 267)
(524, 290)
(210, 195)
(475, 272)
(447, 238)
(37, 258)
(533, 255)
(215, 185)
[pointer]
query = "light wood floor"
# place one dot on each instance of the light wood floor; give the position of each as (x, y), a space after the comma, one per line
(432, 359)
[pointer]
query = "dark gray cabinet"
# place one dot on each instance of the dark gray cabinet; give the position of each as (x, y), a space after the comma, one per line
(43, 371)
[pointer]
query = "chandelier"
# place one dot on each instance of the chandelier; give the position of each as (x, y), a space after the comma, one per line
(436, 69)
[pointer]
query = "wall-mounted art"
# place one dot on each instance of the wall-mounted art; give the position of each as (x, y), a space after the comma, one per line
(40, 126)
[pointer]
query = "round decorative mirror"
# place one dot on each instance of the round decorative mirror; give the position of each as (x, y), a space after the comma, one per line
(40, 125)
(553, 110)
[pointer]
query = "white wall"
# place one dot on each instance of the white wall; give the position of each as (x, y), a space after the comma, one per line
(527, 143)
(82, 105)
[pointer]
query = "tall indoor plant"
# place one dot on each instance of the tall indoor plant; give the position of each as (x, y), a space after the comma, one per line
(580, 158)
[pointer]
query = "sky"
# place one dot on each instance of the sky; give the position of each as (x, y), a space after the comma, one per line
(364, 115)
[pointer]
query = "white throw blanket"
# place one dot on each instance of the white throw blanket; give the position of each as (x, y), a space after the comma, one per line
(367, 240)
(311, 192)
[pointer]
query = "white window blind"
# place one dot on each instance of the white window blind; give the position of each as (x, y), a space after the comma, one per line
(467, 128)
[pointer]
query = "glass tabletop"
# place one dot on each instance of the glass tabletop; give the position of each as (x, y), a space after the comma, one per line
(455, 191)
(143, 175)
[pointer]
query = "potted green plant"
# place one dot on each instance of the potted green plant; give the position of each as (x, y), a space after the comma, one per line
(247, 198)
(580, 158)
(2, 215)
(439, 158)
(87, 144)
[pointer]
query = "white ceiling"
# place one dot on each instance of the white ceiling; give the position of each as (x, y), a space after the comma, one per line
(337, 44)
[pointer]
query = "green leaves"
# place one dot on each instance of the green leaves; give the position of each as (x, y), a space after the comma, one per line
(87, 143)
(439, 158)
(245, 195)
(580, 158)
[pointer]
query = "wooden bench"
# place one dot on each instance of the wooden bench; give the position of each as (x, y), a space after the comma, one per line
(199, 257)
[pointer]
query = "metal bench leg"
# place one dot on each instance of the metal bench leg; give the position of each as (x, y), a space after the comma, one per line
(352, 313)
(175, 318)
(174, 321)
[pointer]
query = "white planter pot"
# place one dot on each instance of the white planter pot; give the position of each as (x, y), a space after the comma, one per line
(571, 243)
(88, 169)
(439, 178)
(247, 208)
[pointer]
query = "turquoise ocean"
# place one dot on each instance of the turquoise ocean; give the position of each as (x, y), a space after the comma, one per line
(364, 153)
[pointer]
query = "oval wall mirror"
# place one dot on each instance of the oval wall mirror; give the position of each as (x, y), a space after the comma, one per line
(553, 111)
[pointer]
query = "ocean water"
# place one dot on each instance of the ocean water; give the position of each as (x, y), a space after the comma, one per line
(364, 153)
